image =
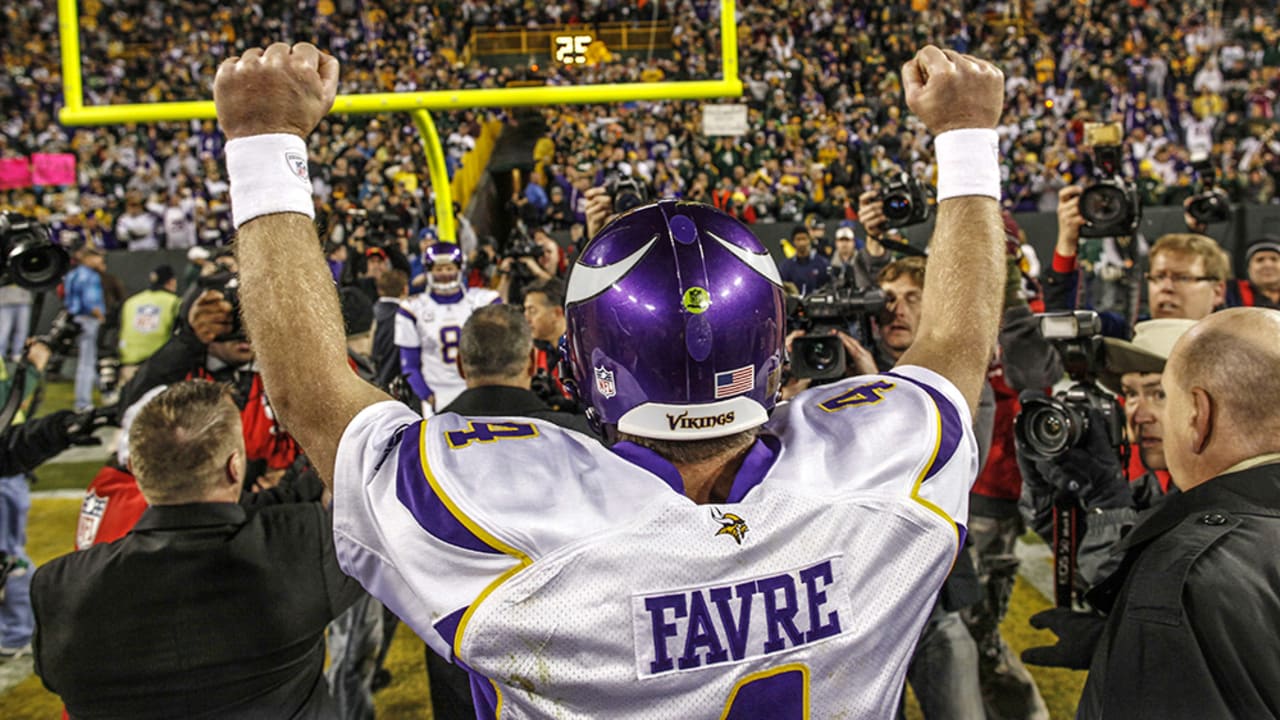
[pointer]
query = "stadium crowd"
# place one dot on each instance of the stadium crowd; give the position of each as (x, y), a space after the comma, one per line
(827, 120)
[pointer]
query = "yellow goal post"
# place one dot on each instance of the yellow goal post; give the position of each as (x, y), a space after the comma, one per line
(75, 112)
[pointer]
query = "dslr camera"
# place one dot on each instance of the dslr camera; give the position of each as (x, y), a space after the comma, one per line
(1211, 204)
(28, 255)
(520, 243)
(905, 200)
(62, 335)
(819, 353)
(1111, 205)
(227, 283)
(1047, 427)
(628, 192)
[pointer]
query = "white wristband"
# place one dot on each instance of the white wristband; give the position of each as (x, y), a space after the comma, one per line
(968, 163)
(268, 174)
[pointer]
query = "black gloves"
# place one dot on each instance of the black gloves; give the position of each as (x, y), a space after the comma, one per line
(1078, 634)
(79, 427)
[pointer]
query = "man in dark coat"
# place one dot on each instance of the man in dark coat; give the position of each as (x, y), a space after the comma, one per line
(206, 609)
(1192, 607)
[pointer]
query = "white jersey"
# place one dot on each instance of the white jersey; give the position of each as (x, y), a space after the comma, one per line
(436, 327)
(581, 582)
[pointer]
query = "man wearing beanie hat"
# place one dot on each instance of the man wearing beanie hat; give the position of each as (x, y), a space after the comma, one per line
(146, 320)
(1262, 289)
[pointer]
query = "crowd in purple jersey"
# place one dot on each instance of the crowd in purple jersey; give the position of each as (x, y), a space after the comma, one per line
(826, 114)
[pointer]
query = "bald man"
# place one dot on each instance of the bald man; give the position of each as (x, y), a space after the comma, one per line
(1194, 607)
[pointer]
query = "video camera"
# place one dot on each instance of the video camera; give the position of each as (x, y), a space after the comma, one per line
(28, 255)
(1111, 205)
(819, 354)
(905, 200)
(1047, 427)
(381, 224)
(227, 283)
(628, 193)
(1211, 204)
(520, 243)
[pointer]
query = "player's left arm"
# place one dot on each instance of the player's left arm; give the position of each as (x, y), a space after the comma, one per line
(965, 274)
(286, 290)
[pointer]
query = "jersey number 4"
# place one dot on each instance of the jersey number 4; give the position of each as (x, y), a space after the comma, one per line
(779, 694)
(485, 432)
(868, 394)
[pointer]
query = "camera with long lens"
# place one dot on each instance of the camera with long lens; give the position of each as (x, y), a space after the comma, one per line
(904, 200)
(1211, 204)
(227, 283)
(62, 335)
(520, 245)
(819, 353)
(1047, 427)
(628, 193)
(28, 255)
(1111, 205)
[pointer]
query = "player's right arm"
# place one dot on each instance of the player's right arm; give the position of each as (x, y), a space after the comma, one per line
(965, 274)
(287, 293)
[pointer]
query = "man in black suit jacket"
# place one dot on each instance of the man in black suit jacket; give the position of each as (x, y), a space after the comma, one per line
(393, 287)
(498, 361)
(207, 609)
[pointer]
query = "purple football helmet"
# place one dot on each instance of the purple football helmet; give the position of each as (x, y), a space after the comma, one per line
(443, 252)
(675, 319)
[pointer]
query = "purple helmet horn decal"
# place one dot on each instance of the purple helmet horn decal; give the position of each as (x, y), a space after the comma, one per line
(675, 324)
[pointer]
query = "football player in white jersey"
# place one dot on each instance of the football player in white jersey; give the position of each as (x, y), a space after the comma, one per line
(428, 327)
(727, 558)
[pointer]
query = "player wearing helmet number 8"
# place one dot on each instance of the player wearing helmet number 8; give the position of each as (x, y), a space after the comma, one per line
(429, 326)
(728, 557)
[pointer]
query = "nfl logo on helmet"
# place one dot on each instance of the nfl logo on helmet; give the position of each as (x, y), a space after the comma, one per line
(604, 382)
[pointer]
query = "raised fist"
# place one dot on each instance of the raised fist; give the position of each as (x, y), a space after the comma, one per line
(280, 90)
(950, 91)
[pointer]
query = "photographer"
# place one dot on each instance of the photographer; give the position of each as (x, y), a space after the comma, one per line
(530, 258)
(1133, 371)
(1186, 276)
(544, 311)
(23, 447)
(1195, 591)
(212, 345)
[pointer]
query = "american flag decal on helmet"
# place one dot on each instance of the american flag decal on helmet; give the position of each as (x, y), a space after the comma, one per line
(735, 382)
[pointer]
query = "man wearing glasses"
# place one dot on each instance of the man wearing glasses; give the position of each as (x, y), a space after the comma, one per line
(1186, 279)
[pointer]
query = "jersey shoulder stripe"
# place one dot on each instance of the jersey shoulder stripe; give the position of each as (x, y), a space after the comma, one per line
(420, 494)
(951, 430)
